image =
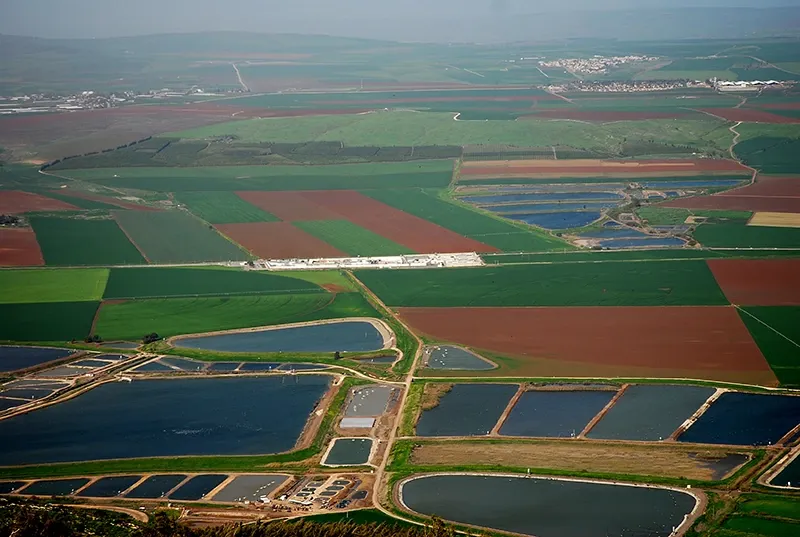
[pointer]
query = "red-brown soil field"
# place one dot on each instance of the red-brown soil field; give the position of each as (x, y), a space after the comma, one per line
(18, 247)
(758, 282)
(412, 232)
(749, 115)
(699, 342)
(604, 115)
(278, 240)
(772, 194)
(17, 202)
(504, 168)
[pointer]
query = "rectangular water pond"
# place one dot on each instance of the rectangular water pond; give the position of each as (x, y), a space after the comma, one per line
(368, 401)
(16, 358)
(250, 488)
(745, 419)
(7, 487)
(650, 412)
(549, 507)
(259, 366)
(156, 486)
(109, 487)
(789, 476)
(154, 367)
(548, 207)
(184, 364)
(348, 336)
(558, 220)
(197, 487)
(224, 366)
(54, 487)
(543, 196)
(7, 404)
(90, 363)
(349, 452)
(467, 410)
(554, 413)
(163, 418)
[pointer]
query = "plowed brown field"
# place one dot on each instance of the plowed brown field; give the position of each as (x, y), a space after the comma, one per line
(749, 115)
(289, 206)
(758, 282)
(771, 194)
(16, 202)
(278, 240)
(18, 247)
(699, 342)
(504, 168)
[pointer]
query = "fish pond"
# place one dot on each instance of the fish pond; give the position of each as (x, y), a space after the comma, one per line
(54, 487)
(457, 358)
(548, 207)
(745, 419)
(558, 220)
(789, 476)
(156, 486)
(347, 336)
(650, 412)
(466, 410)
(368, 401)
(649, 242)
(548, 507)
(554, 413)
(162, 418)
(542, 196)
(250, 488)
(197, 487)
(349, 452)
(109, 487)
(16, 358)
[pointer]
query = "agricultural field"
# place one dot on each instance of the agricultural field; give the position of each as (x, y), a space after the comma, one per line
(740, 235)
(775, 330)
(222, 208)
(352, 239)
(65, 285)
(176, 237)
(47, 321)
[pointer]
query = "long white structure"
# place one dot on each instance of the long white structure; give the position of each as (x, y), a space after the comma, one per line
(468, 259)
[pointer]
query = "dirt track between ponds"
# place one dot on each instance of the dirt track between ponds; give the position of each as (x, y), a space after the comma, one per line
(568, 455)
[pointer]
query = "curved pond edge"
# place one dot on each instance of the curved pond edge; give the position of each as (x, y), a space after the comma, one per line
(688, 520)
(388, 336)
(428, 350)
(776, 470)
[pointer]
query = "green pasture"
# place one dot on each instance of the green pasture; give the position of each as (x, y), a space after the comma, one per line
(773, 506)
(49, 285)
(739, 235)
(667, 216)
(152, 282)
(75, 242)
(322, 278)
(412, 128)
(175, 316)
(352, 239)
(762, 527)
(776, 331)
(772, 149)
(177, 237)
(661, 283)
(607, 256)
(223, 208)
(77, 202)
(429, 174)
(47, 321)
(490, 230)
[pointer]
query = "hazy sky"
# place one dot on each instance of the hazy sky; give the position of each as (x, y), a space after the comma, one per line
(106, 18)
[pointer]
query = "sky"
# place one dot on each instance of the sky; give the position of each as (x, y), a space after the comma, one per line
(394, 19)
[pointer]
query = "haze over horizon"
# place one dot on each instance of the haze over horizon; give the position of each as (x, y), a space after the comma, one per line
(410, 20)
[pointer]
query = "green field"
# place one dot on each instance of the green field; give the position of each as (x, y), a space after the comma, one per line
(763, 527)
(428, 174)
(768, 151)
(739, 235)
(77, 202)
(177, 237)
(352, 239)
(175, 316)
(195, 282)
(64, 285)
(501, 234)
(774, 506)
(413, 129)
(322, 278)
(73, 242)
(667, 216)
(782, 350)
(662, 283)
(53, 321)
(223, 208)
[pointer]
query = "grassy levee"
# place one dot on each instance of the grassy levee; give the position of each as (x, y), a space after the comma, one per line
(663, 283)
(223, 208)
(409, 415)
(168, 282)
(18, 286)
(427, 174)
(400, 461)
(488, 229)
(605, 256)
(298, 460)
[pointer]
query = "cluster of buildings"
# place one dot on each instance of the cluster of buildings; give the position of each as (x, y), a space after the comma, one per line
(612, 86)
(745, 85)
(594, 65)
(468, 259)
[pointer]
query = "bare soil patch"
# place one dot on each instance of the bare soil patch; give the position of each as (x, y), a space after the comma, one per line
(770, 194)
(289, 206)
(651, 460)
(750, 115)
(18, 202)
(502, 168)
(18, 247)
(758, 282)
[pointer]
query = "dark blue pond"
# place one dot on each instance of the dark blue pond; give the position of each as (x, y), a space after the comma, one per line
(7, 487)
(5, 404)
(224, 366)
(690, 184)
(554, 413)
(548, 507)
(259, 366)
(789, 476)
(15, 358)
(558, 220)
(349, 451)
(154, 367)
(156, 486)
(197, 487)
(651, 242)
(745, 419)
(467, 410)
(90, 363)
(54, 487)
(543, 196)
(200, 416)
(351, 336)
(614, 233)
(547, 207)
(650, 412)
(456, 358)
(108, 487)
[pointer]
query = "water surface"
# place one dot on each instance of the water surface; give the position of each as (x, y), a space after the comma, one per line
(554, 413)
(467, 410)
(789, 476)
(197, 487)
(349, 451)
(108, 487)
(456, 358)
(156, 486)
(249, 488)
(16, 358)
(54, 487)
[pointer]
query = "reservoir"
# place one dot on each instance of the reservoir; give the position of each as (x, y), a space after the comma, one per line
(164, 418)
(548, 507)
(347, 336)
